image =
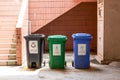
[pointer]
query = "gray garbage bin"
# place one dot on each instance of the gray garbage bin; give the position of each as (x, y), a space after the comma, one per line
(35, 44)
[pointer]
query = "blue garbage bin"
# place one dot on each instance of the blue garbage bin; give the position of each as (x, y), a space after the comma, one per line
(81, 42)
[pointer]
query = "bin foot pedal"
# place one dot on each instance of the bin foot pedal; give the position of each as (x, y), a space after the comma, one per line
(33, 65)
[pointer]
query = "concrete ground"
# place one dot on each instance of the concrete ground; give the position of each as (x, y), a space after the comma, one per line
(95, 72)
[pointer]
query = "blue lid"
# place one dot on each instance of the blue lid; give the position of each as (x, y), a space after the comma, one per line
(82, 36)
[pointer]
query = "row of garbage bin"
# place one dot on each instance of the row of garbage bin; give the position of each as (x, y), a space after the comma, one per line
(35, 45)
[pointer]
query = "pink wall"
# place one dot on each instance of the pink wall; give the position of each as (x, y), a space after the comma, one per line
(81, 18)
(42, 12)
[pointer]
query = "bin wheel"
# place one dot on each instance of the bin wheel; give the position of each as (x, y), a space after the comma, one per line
(49, 63)
(28, 66)
(72, 63)
(44, 63)
(65, 63)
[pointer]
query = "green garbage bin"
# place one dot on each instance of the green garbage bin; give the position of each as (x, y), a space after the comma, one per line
(57, 51)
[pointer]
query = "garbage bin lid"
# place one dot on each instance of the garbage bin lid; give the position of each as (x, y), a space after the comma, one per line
(57, 37)
(35, 35)
(82, 36)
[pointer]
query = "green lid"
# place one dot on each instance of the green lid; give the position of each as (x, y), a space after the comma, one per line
(57, 37)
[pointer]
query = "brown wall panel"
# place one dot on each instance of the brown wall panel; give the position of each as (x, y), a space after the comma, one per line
(82, 18)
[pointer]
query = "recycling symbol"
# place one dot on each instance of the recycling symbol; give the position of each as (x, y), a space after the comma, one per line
(33, 45)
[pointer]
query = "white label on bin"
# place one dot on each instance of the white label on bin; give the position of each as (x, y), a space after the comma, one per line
(56, 49)
(33, 47)
(81, 49)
